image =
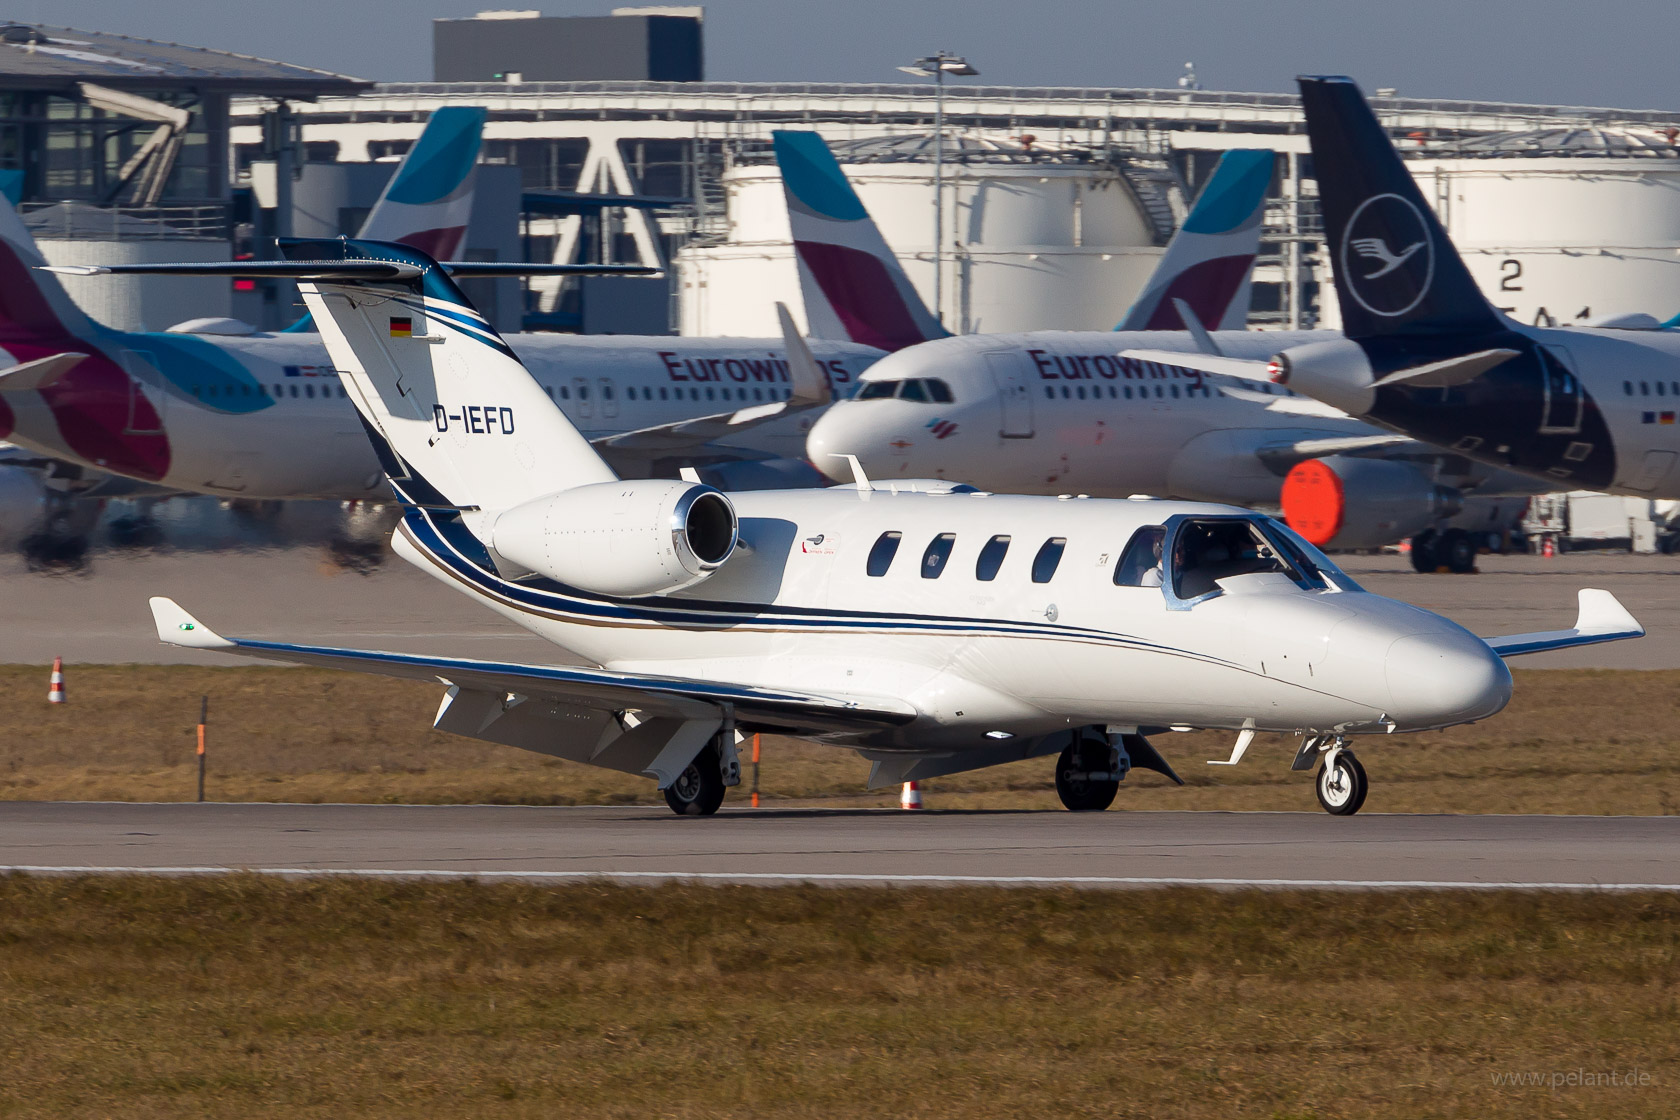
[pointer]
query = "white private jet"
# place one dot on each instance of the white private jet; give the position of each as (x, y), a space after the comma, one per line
(932, 628)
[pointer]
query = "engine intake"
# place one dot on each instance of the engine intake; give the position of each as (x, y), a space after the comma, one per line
(1347, 502)
(631, 538)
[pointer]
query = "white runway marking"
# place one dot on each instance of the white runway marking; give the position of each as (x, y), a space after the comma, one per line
(858, 879)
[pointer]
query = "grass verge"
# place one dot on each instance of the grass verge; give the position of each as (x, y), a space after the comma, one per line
(247, 998)
(1572, 741)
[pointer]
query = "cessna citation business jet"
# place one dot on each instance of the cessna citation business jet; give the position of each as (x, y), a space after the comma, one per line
(934, 629)
(1113, 414)
(1426, 355)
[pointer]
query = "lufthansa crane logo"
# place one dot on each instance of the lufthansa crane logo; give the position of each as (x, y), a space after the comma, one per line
(1388, 259)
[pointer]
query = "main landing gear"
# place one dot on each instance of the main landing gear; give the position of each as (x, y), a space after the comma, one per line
(1452, 549)
(699, 789)
(1088, 774)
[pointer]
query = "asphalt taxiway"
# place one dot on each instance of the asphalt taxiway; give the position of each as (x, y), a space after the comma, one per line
(838, 847)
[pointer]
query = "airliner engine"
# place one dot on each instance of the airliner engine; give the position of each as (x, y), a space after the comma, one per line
(642, 537)
(1343, 502)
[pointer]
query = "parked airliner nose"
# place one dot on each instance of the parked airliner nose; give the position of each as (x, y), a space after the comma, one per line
(866, 429)
(1445, 678)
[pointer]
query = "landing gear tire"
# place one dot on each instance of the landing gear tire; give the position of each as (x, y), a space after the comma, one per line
(1342, 786)
(1457, 551)
(698, 790)
(1423, 551)
(1079, 790)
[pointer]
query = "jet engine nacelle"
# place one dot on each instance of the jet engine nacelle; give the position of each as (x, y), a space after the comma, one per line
(1336, 372)
(1347, 502)
(628, 538)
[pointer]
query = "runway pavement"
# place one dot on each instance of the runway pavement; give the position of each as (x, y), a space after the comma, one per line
(838, 847)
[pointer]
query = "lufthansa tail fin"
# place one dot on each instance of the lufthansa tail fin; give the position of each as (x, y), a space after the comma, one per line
(1396, 271)
(853, 285)
(428, 202)
(1209, 264)
(458, 422)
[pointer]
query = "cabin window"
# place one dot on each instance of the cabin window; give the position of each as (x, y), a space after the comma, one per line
(1049, 556)
(1067, 394)
(1644, 388)
(991, 559)
(583, 392)
(1050, 392)
(1082, 392)
(294, 391)
(1627, 388)
(1140, 564)
(664, 393)
(938, 552)
(606, 392)
(881, 556)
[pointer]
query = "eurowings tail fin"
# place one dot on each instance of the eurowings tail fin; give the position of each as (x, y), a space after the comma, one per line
(1397, 273)
(457, 420)
(854, 287)
(1209, 264)
(428, 202)
(34, 306)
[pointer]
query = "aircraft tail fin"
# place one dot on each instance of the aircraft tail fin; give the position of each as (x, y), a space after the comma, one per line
(853, 285)
(457, 421)
(34, 306)
(1396, 271)
(1209, 264)
(428, 202)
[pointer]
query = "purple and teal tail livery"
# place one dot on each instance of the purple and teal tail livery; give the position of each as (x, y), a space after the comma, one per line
(1210, 261)
(853, 285)
(429, 200)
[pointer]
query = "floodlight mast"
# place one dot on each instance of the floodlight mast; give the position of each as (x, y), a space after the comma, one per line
(936, 66)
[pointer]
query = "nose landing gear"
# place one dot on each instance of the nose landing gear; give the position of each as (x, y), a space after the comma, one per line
(1341, 783)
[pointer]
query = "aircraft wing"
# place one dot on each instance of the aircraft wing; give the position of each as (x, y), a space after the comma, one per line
(1244, 369)
(1290, 406)
(599, 690)
(1284, 456)
(1601, 619)
(809, 387)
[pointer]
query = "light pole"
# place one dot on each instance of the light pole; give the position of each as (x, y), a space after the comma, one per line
(936, 67)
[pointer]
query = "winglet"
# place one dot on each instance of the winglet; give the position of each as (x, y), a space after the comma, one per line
(178, 628)
(1601, 618)
(809, 381)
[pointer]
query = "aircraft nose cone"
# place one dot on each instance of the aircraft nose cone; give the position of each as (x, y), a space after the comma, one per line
(850, 428)
(1441, 679)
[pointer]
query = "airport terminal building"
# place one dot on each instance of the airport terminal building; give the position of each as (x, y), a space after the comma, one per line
(1057, 200)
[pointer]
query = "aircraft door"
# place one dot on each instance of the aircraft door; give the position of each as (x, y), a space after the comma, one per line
(1563, 401)
(141, 369)
(580, 393)
(1011, 376)
(609, 397)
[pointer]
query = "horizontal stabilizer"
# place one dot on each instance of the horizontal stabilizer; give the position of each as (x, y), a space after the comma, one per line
(348, 269)
(42, 373)
(1601, 619)
(597, 689)
(1444, 374)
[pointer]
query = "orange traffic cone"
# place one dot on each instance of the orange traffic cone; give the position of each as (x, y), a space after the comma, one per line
(911, 798)
(1547, 548)
(55, 690)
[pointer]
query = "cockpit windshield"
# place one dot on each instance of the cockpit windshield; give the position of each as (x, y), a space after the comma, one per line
(925, 390)
(1205, 551)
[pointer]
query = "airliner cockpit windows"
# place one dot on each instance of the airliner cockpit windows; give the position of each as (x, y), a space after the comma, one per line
(1206, 552)
(881, 555)
(938, 552)
(1140, 564)
(922, 390)
(991, 559)
(1048, 558)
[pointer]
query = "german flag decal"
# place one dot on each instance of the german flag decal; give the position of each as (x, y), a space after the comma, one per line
(402, 327)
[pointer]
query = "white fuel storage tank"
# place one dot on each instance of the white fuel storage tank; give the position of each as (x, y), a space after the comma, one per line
(1035, 238)
(1563, 226)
